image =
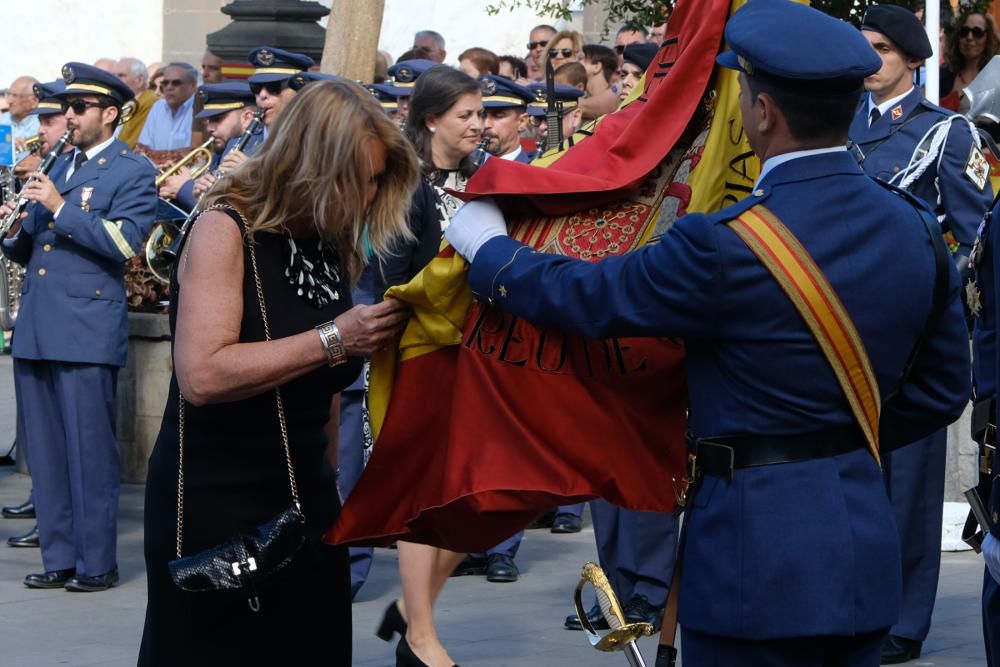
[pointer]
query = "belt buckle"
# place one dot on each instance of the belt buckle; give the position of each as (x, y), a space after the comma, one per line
(682, 487)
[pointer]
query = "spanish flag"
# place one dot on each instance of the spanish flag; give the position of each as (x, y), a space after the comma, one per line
(482, 420)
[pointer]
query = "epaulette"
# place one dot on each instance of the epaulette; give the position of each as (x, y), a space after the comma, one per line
(734, 211)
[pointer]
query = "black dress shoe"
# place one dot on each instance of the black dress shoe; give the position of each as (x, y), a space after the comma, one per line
(392, 623)
(53, 579)
(544, 521)
(86, 584)
(29, 539)
(25, 510)
(500, 568)
(470, 565)
(638, 610)
(405, 657)
(595, 617)
(567, 523)
(896, 650)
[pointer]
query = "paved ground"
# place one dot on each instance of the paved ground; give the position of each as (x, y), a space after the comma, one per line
(482, 623)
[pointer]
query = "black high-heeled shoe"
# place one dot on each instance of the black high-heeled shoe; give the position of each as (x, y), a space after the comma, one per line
(405, 657)
(392, 622)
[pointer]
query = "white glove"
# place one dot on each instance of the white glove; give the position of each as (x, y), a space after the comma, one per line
(991, 554)
(475, 224)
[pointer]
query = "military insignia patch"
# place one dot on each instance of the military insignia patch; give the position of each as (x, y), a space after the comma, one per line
(973, 298)
(404, 74)
(85, 195)
(101, 161)
(487, 85)
(265, 58)
(203, 95)
(897, 113)
(67, 73)
(977, 169)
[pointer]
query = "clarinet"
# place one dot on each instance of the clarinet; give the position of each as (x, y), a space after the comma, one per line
(44, 168)
(255, 126)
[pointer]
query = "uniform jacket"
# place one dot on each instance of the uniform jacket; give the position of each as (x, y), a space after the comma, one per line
(73, 301)
(185, 196)
(799, 549)
(889, 143)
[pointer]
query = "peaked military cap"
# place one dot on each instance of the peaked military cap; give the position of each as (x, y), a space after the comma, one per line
(83, 79)
(568, 95)
(276, 64)
(405, 73)
(300, 80)
(49, 100)
(385, 95)
(838, 56)
(640, 54)
(901, 26)
(502, 93)
(220, 98)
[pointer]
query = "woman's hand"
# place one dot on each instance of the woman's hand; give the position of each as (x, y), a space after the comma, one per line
(366, 329)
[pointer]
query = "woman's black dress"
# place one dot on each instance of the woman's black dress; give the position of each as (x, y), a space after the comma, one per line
(235, 478)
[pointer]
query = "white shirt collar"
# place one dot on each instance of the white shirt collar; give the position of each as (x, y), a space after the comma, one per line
(94, 151)
(773, 162)
(883, 108)
(512, 155)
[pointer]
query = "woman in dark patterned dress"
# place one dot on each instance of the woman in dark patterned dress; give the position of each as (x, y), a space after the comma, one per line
(287, 224)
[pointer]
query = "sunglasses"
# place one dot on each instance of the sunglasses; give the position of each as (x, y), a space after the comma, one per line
(171, 82)
(566, 53)
(272, 87)
(976, 32)
(534, 45)
(80, 107)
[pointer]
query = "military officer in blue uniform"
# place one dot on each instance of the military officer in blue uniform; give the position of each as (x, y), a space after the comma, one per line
(404, 77)
(902, 138)
(791, 555)
(386, 97)
(572, 118)
(271, 84)
(983, 298)
(91, 214)
(51, 125)
(506, 117)
(227, 109)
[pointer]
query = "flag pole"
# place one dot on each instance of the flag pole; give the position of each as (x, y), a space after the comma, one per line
(932, 18)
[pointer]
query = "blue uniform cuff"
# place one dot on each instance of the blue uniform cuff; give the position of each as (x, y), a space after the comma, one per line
(492, 259)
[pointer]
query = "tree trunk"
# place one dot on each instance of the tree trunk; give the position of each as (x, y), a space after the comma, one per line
(352, 39)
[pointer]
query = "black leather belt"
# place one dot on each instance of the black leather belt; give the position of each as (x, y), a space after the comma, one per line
(719, 456)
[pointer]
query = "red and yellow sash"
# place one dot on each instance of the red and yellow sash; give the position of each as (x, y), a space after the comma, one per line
(794, 269)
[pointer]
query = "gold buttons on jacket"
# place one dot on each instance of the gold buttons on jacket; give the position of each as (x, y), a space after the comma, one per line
(52, 225)
(41, 272)
(97, 292)
(47, 247)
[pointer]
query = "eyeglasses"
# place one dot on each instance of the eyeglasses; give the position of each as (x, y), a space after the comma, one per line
(272, 87)
(18, 95)
(172, 82)
(534, 45)
(566, 53)
(975, 31)
(80, 107)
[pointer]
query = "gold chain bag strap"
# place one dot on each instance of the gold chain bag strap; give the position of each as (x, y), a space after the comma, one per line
(246, 559)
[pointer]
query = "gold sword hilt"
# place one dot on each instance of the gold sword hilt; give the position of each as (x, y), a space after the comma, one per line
(622, 634)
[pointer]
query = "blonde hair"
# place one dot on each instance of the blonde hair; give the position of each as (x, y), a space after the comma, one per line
(572, 35)
(309, 173)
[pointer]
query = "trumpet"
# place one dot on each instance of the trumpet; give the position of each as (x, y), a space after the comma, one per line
(31, 146)
(44, 168)
(206, 161)
(166, 238)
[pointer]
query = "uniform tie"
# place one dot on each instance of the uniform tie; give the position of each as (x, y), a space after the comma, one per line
(874, 116)
(78, 160)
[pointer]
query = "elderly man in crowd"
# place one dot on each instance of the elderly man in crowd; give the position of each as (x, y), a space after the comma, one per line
(135, 75)
(538, 41)
(433, 42)
(22, 100)
(168, 125)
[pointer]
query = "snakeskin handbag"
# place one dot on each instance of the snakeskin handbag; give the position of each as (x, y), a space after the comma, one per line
(246, 559)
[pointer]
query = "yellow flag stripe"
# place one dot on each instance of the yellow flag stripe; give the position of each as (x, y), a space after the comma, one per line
(824, 314)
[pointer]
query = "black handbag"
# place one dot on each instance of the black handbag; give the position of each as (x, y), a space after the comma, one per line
(246, 559)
